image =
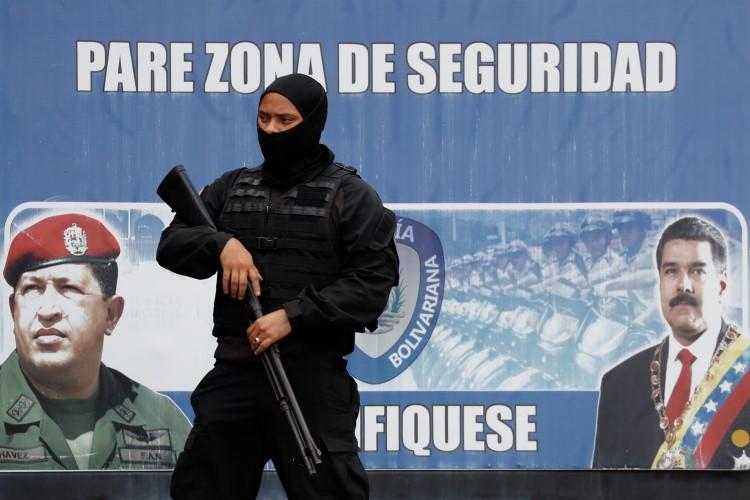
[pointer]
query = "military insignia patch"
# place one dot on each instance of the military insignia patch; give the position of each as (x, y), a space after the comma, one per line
(156, 438)
(410, 316)
(75, 240)
(20, 408)
(125, 413)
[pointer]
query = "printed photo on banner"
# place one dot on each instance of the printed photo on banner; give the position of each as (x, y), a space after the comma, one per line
(683, 402)
(538, 303)
(62, 407)
(490, 353)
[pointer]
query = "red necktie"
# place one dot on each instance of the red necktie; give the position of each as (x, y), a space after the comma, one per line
(681, 391)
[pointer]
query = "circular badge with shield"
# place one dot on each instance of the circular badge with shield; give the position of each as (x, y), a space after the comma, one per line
(412, 311)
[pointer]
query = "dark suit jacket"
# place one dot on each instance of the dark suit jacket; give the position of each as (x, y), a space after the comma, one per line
(627, 428)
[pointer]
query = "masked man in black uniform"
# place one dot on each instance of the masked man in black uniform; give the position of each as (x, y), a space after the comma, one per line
(315, 243)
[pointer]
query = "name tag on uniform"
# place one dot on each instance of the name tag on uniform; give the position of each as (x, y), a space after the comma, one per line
(147, 456)
(23, 455)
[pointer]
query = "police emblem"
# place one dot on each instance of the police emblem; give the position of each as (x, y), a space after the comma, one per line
(406, 324)
(75, 240)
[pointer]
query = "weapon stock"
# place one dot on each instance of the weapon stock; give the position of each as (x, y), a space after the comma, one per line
(178, 192)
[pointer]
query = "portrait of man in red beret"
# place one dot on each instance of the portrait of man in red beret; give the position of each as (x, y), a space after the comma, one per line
(60, 406)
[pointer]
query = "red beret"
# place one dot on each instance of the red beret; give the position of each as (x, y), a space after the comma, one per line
(59, 239)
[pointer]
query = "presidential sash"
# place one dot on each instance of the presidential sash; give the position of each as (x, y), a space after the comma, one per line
(711, 410)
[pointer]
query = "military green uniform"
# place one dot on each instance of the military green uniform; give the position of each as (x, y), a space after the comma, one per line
(135, 429)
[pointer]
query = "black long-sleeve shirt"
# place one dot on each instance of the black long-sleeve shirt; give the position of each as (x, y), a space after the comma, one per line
(369, 262)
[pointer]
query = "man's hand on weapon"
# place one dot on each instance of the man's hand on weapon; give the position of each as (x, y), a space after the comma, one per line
(267, 330)
(239, 272)
(238, 267)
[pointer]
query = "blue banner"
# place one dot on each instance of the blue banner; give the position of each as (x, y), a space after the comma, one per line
(517, 144)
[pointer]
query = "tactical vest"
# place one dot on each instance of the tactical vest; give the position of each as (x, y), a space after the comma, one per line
(291, 239)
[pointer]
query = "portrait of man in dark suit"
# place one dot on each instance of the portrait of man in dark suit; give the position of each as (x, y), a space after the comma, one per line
(682, 403)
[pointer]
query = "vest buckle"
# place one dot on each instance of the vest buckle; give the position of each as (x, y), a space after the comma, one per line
(266, 243)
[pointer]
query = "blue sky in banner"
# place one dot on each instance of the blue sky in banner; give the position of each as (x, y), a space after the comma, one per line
(684, 145)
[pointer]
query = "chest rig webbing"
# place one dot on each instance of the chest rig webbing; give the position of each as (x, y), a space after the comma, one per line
(290, 237)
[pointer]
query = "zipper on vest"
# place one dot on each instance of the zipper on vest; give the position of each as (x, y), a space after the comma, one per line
(268, 210)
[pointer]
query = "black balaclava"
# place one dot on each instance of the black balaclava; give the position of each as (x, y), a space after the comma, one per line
(296, 154)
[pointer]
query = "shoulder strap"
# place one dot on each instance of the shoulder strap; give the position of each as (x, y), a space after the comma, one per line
(340, 169)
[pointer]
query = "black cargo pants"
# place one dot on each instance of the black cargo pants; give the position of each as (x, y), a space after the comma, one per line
(239, 427)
